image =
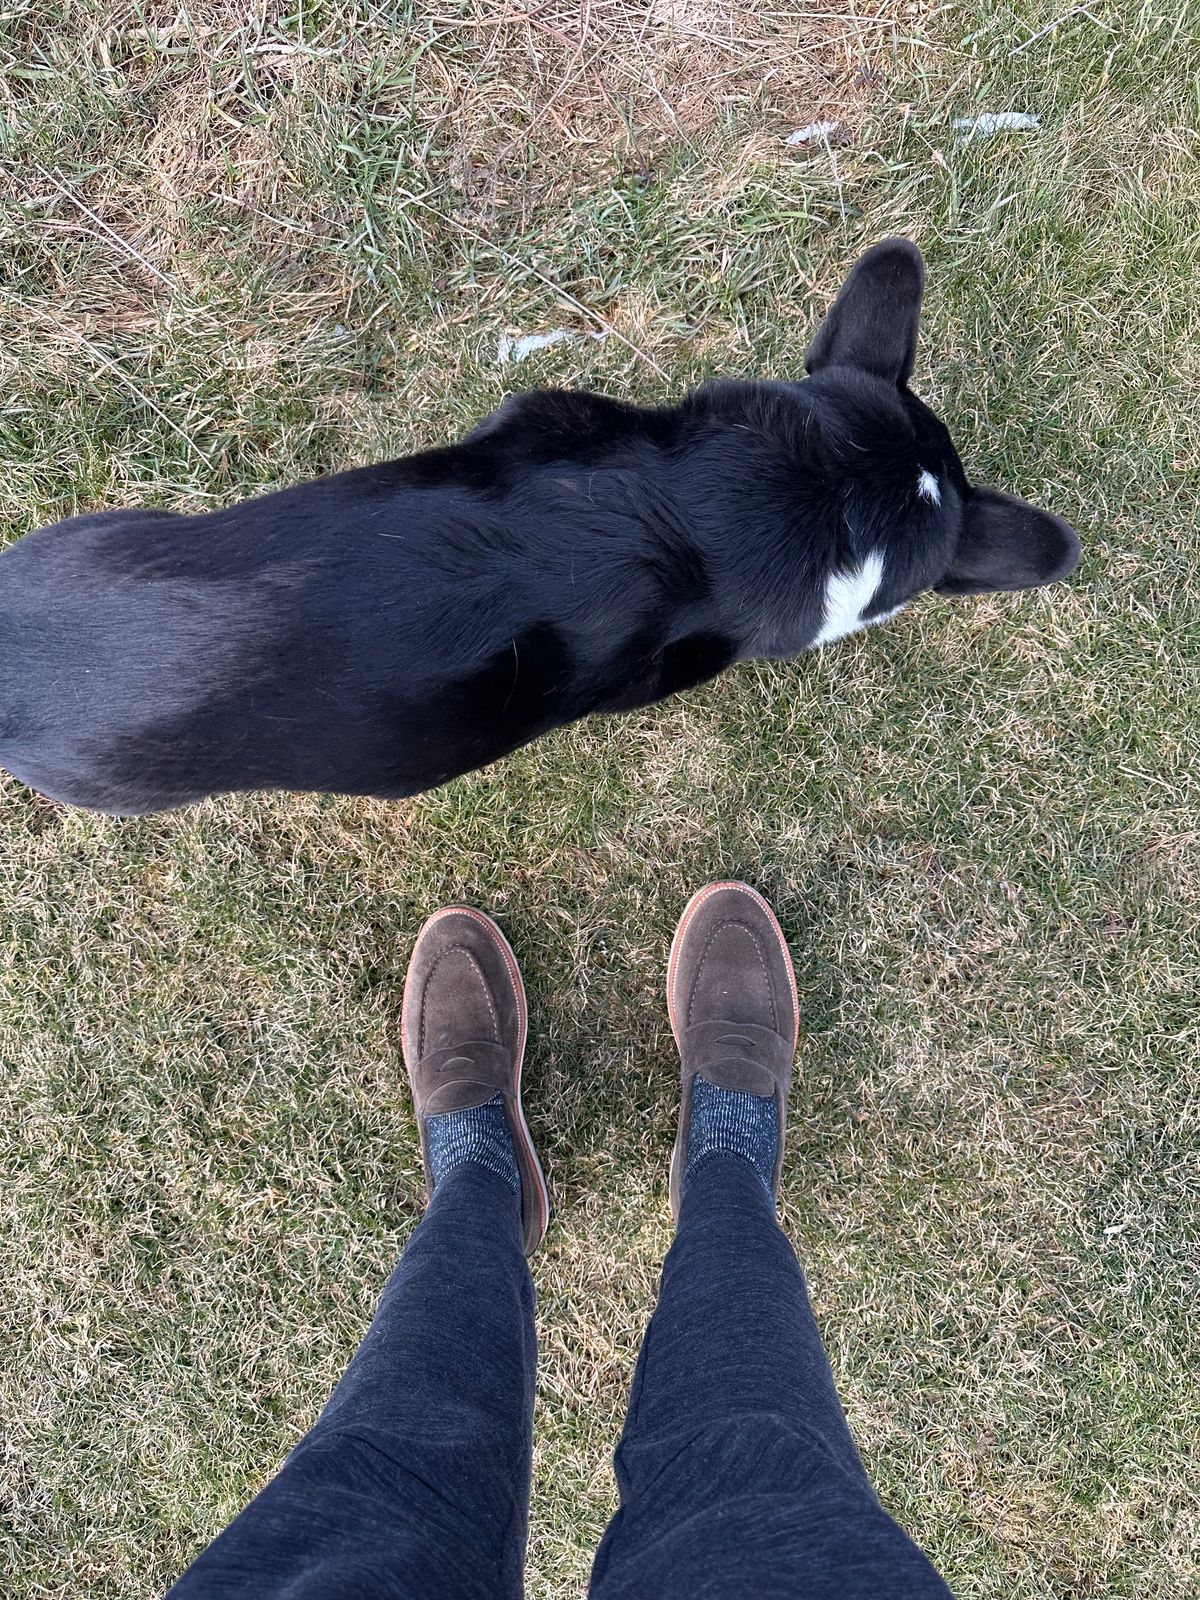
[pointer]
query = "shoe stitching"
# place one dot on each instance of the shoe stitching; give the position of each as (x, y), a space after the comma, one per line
(693, 906)
(732, 922)
(456, 949)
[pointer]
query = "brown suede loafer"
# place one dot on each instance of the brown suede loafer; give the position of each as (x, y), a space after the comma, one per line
(463, 1027)
(731, 998)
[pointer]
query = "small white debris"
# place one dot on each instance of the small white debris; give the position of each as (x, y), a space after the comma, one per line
(516, 349)
(988, 122)
(814, 130)
(511, 349)
(927, 487)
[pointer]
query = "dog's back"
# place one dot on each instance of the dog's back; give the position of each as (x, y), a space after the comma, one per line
(374, 632)
(380, 631)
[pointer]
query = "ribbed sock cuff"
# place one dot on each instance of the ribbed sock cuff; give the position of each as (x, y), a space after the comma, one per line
(727, 1122)
(479, 1134)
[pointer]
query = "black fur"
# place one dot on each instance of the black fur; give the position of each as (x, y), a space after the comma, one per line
(383, 630)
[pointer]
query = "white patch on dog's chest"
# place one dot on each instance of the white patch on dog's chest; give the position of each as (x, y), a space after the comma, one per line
(847, 596)
(929, 488)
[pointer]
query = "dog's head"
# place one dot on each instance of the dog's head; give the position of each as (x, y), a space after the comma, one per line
(910, 512)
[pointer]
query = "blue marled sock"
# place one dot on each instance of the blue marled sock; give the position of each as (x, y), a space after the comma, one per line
(727, 1122)
(479, 1134)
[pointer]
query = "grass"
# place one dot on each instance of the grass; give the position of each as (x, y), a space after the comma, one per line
(244, 246)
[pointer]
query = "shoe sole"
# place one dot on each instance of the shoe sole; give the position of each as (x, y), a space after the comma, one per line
(514, 973)
(685, 920)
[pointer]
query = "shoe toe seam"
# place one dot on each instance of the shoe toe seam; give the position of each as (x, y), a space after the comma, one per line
(733, 922)
(456, 949)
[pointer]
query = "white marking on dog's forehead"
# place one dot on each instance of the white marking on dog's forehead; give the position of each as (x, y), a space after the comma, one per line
(928, 487)
(847, 596)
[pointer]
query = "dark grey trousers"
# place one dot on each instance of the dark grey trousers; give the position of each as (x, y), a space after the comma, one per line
(737, 1473)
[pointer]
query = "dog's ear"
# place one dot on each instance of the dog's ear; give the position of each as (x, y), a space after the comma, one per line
(1008, 544)
(872, 325)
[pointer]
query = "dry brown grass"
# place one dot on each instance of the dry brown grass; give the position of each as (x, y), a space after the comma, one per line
(551, 95)
(504, 113)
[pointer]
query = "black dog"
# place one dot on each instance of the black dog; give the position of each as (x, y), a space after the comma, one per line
(383, 630)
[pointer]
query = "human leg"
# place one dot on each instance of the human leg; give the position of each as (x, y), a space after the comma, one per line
(414, 1482)
(737, 1471)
